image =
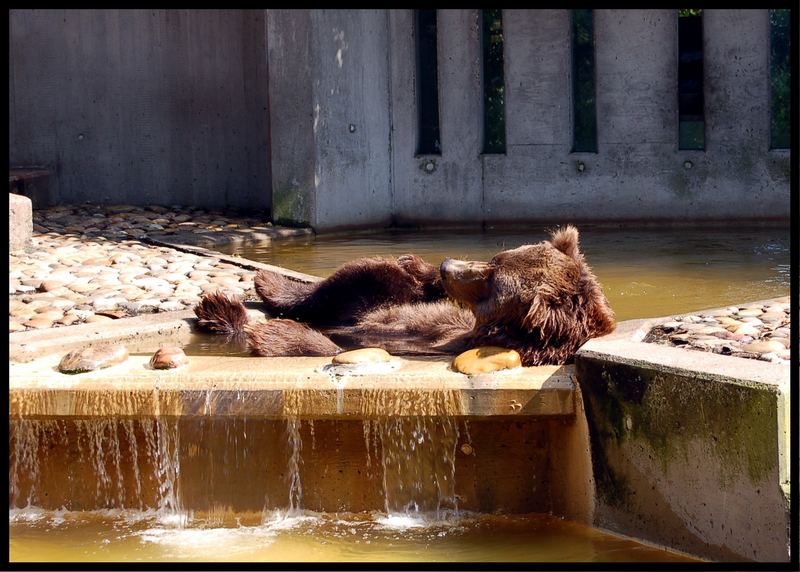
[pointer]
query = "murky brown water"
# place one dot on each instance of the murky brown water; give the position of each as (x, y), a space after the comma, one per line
(364, 537)
(645, 273)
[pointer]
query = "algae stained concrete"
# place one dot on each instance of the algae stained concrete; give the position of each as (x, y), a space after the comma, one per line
(689, 449)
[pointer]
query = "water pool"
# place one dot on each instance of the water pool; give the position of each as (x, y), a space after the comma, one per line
(644, 272)
(115, 536)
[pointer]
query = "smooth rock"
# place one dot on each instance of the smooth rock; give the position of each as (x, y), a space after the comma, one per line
(168, 357)
(363, 355)
(747, 330)
(750, 312)
(784, 341)
(486, 359)
(79, 313)
(772, 317)
(170, 306)
(727, 322)
(68, 319)
(51, 315)
(92, 358)
(97, 318)
(39, 323)
(782, 332)
(764, 347)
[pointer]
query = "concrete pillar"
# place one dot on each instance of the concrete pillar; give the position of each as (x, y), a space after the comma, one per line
(20, 222)
(533, 181)
(737, 91)
(636, 66)
(291, 116)
(538, 60)
(447, 187)
(329, 110)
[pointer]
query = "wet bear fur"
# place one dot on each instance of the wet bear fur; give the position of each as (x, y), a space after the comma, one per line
(541, 300)
(354, 289)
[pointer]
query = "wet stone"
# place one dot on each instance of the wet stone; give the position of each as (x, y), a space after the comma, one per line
(361, 356)
(168, 357)
(92, 358)
(486, 359)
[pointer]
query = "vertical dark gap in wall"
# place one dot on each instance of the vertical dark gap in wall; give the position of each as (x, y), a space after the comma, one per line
(494, 109)
(691, 117)
(584, 110)
(429, 141)
(780, 79)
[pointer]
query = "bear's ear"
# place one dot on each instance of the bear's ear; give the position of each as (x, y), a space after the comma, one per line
(546, 315)
(566, 240)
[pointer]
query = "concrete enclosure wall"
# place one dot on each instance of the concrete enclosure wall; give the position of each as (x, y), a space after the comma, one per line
(638, 172)
(314, 113)
(329, 100)
(142, 106)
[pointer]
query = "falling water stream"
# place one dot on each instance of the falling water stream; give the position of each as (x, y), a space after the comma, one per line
(122, 498)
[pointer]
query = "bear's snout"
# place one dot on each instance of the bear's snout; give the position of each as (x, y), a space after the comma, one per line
(465, 281)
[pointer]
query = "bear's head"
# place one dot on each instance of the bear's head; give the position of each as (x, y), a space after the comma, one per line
(542, 299)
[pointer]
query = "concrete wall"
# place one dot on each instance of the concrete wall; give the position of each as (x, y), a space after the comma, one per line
(142, 106)
(638, 173)
(329, 98)
(452, 191)
(174, 106)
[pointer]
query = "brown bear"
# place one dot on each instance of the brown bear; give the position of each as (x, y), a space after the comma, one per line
(541, 300)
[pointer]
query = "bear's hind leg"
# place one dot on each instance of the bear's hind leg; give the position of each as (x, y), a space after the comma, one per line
(280, 294)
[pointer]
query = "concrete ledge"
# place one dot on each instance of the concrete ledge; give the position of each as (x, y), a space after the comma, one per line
(238, 261)
(20, 222)
(212, 239)
(138, 333)
(285, 387)
(32, 182)
(689, 449)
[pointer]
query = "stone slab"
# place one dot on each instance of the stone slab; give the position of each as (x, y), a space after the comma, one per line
(281, 387)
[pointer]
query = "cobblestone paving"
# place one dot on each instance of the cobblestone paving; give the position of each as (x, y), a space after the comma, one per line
(760, 331)
(87, 264)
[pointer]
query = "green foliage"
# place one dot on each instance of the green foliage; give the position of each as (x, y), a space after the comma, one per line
(690, 12)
